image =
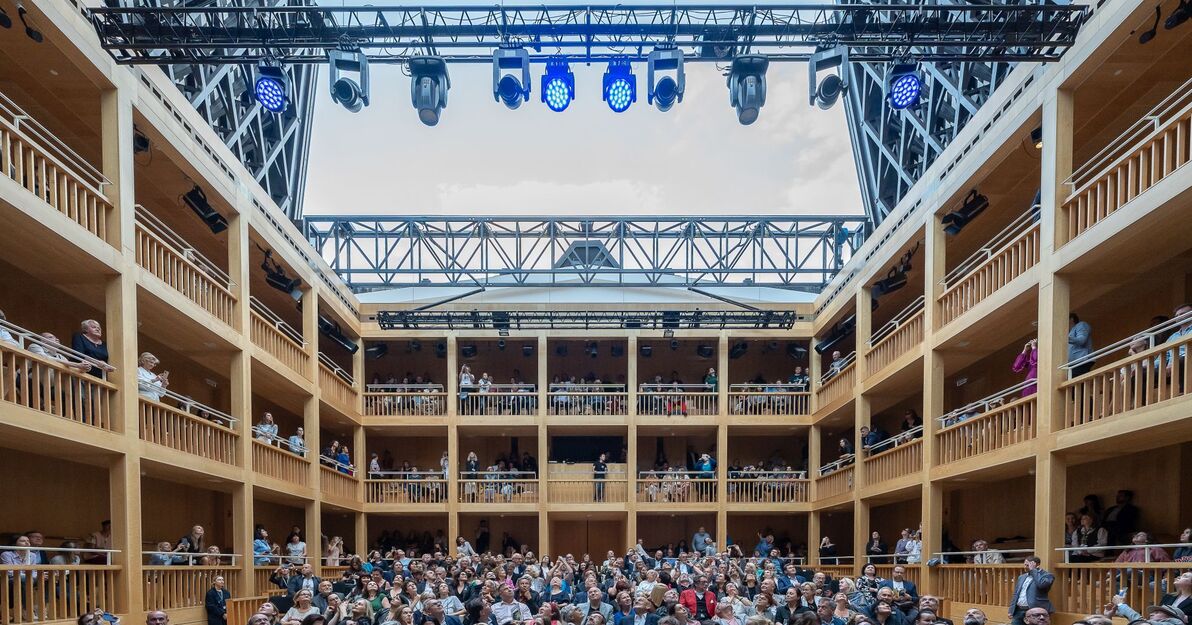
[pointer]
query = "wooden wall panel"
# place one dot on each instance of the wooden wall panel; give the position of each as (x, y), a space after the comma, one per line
(675, 449)
(1003, 509)
(889, 520)
(402, 361)
(522, 528)
(170, 509)
(661, 530)
(744, 528)
(40, 307)
(422, 451)
(501, 365)
(1155, 477)
(81, 488)
(682, 361)
(743, 450)
(839, 527)
(278, 520)
(405, 523)
(487, 448)
(592, 536)
(760, 360)
(608, 368)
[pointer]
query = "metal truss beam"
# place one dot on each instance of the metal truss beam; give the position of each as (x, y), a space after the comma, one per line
(802, 252)
(709, 32)
(502, 320)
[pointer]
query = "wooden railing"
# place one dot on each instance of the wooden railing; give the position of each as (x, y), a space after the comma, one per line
(163, 254)
(422, 488)
(174, 587)
(837, 571)
(38, 161)
(405, 404)
(912, 571)
(170, 427)
(279, 340)
(1084, 588)
(240, 609)
(901, 460)
(55, 593)
(998, 427)
(337, 484)
(899, 339)
(260, 579)
(835, 483)
(1138, 159)
(837, 386)
(335, 388)
(768, 489)
(663, 487)
(1144, 379)
(501, 400)
(780, 400)
(49, 387)
(578, 490)
(588, 403)
(498, 490)
(280, 464)
(331, 572)
(984, 278)
(978, 584)
(674, 403)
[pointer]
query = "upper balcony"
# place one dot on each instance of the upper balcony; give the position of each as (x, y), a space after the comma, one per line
(503, 379)
(768, 380)
(1004, 257)
(587, 377)
(407, 381)
(673, 380)
(407, 467)
(838, 379)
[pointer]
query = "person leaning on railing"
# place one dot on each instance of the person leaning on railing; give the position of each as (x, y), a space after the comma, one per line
(89, 342)
(151, 385)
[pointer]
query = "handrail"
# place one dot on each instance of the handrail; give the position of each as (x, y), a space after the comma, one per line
(973, 553)
(783, 387)
(984, 404)
(281, 440)
(587, 474)
(480, 473)
(893, 324)
(683, 474)
(326, 361)
(776, 474)
(400, 388)
(668, 387)
(24, 337)
(158, 228)
(496, 388)
(1012, 231)
(839, 463)
(1147, 548)
(107, 552)
(891, 442)
(191, 557)
(409, 475)
(41, 136)
(832, 372)
(332, 462)
(185, 404)
(1150, 334)
(584, 386)
(261, 309)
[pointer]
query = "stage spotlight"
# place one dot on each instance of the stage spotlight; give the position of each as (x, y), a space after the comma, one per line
(140, 142)
(747, 86)
(429, 84)
(561, 350)
(955, 221)
(30, 31)
(903, 86)
(738, 349)
(275, 276)
(617, 350)
(558, 85)
(468, 351)
(1178, 16)
(501, 345)
(272, 88)
(527, 350)
(796, 351)
(668, 89)
(332, 331)
(415, 346)
(440, 350)
(674, 344)
(351, 94)
(376, 352)
(645, 350)
(705, 351)
(197, 201)
(620, 85)
(825, 93)
(5, 20)
(507, 86)
(1037, 137)
(893, 281)
(592, 350)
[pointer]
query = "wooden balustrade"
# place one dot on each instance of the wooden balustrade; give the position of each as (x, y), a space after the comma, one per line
(194, 282)
(761, 403)
(1003, 265)
(46, 386)
(594, 403)
(278, 344)
(999, 427)
(837, 386)
(835, 483)
(336, 389)
(836, 571)
(1127, 384)
(280, 464)
(768, 489)
(337, 484)
(913, 572)
(331, 572)
(1084, 588)
(31, 165)
(240, 609)
(55, 593)
(523, 402)
(175, 587)
(901, 460)
(498, 490)
(414, 489)
(170, 427)
(412, 404)
(672, 403)
(581, 490)
(978, 584)
(260, 579)
(899, 341)
(677, 488)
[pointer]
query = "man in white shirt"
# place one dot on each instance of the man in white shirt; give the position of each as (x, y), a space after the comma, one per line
(985, 555)
(507, 611)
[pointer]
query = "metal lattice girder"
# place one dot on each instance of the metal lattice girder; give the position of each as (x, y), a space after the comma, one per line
(382, 252)
(585, 319)
(787, 32)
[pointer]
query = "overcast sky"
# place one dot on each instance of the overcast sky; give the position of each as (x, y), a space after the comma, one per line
(484, 159)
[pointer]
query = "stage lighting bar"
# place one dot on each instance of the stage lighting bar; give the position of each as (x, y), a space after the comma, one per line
(544, 320)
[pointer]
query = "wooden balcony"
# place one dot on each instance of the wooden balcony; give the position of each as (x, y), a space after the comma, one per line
(769, 487)
(902, 334)
(580, 490)
(48, 386)
(677, 400)
(783, 400)
(481, 489)
(611, 400)
(500, 399)
(835, 385)
(1084, 588)
(407, 488)
(838, 482)
(978, 584)
(674, 487)
(1141, 157)
(900, 457)
(270, 333)
(280, 464)
(168, 257)
(45, 166)
(189, 427)
(996, 422)
(336, 483)
(1008, 255)
(337, 385)
(175, 587)
(47, 593)
(405, 400)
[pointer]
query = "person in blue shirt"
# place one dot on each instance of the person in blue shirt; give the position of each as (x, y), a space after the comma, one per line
(764, 545)
(261, 548)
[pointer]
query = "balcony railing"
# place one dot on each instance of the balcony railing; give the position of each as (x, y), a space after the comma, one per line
(897, 337)
(278, 338)
(835, 478)
(676, 399)
(582, 488)
(189, 427)
(913, 572)
(675, 487)
(588, 399)
(1154, 370)
(405, 487)
(176, 587)
(498, 399)
(167, 255)
(978, 584)
(780, 399)
(405, 400)
(1138, 159)
(895, 457)
(1084, 588)
(37, 160)
(280, 464)
(837, 381)
(498, 487)
(335, 482)
(42, 593)
(995, 422)
(49, 384)
(337, 384)
(1006, 256)
(768, 487)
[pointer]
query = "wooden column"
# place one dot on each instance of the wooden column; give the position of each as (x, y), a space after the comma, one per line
(453, 464)
(813, 375)
(932, 501)
(116, 134)
(631, 374)
(452, 378)
(722, 388)
(722, 472)
(813, 537)
(124, 482)
(932, 519)
(544, 545)
(861, 511)
(631, 470)
(310, 333)
(313, 530)
(361, 532)
(814, 459)
(543, 376)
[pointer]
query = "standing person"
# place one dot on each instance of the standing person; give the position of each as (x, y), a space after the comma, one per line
(267, 429)
(298, 442)
(466, 382)
(151, 385)
(1080, 344)
(89, 342)
(1030, 593)
(711, 380)
(1028, 361)
(599, 472)
(217, 602)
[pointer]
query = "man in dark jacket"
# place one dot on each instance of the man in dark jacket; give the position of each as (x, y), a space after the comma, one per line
(1030, 591)
(305, 580)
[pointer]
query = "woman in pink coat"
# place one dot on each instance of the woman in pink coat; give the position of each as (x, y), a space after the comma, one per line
(1028, 360)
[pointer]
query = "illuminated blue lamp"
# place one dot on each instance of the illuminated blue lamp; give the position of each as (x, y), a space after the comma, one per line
(904, 86)
(272, 88)
(620, 85)
(558, 85)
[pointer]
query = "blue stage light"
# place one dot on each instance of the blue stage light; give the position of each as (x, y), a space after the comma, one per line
(905, 86)
(272, 88)
(558, 85)
(620, 86)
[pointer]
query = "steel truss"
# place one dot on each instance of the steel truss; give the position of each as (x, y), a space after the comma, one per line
(708, 32)
(385, 252)
(504, 321)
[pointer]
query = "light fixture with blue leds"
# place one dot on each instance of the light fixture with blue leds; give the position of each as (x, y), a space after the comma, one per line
(903, 86)
(272, 88)
(558, 85)
(620, 85)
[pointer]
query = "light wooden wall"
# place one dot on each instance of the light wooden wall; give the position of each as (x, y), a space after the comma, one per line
(342, 524)
(288, 419)
(772, 365)
(839, 527)
(422, 451)
(580, 536)
(278, 519)
(500, 364)
(663, 361)
(523, 529)
(996, 510)
(401, 360)
(890, 419)
(659, 530)
(986, 376)
(487, 448)
(753, 449)
(675, 448)
(405, 523)
(606, 367)
(81, 488)
(40, 307)
(170, 509)
(1155, 476)
(889, 520)
(191, 376)
(743, 529)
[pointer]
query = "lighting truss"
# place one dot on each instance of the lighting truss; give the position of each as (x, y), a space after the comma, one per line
(370, 253)
(505, 320)
(704, 32)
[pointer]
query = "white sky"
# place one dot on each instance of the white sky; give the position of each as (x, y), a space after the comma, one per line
(483, 159)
